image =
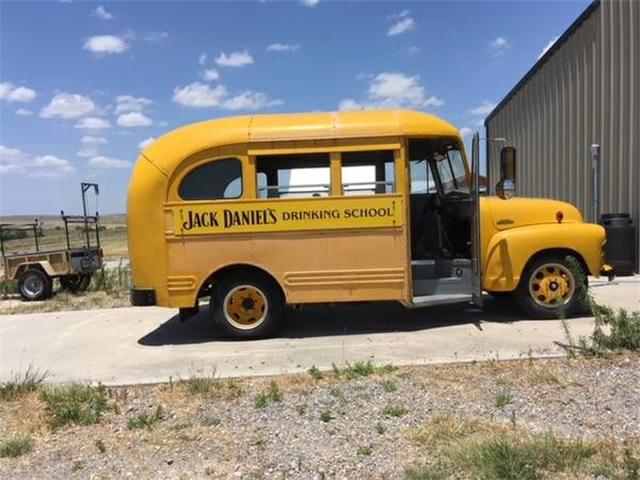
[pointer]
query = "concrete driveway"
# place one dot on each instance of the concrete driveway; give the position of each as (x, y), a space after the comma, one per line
(144, 345)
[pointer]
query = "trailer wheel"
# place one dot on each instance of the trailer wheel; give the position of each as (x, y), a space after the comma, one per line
(246, 305)
(34, 284)
(76, 283)
(551, 287)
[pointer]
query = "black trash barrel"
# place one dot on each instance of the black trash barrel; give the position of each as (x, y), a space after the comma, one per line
(620, 249)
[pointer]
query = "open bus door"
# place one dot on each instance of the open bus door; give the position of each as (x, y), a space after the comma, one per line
(476, 265)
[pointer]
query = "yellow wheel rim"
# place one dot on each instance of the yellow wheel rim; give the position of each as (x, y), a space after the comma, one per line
(245, 307)
(552, 285)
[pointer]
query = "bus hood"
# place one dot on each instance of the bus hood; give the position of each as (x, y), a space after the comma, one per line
(519, 212)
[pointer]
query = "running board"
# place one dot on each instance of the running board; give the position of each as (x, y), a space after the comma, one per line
(428, 300)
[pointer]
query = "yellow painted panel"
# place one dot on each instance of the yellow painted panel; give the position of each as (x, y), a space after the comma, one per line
(284, 215)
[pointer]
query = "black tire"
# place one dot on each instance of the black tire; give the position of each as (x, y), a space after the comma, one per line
(539, 295)
(34, 284)
(76, 282)
(246, 305)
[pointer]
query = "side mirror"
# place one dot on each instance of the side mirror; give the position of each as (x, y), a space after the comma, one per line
(506, 187)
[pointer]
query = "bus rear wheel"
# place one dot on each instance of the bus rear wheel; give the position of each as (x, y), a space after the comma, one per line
(246, 305)
(552, 286)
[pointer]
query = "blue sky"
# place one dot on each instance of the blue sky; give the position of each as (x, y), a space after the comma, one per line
(84, 83)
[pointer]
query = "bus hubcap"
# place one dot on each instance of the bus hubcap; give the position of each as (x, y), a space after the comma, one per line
(552, 285)
(245, 307)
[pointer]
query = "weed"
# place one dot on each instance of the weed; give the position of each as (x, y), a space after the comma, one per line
(336, 392)
(389, 386)
(359, 369)
(386, 369)
(366, 451)
(113, 280)
(426, 472)
(315, 373)
(145, 420)
(75, 403)
(16, 446)
(211, 421)
(380, 430)
(22, 383)
(202, 385)
(271, 395)
(394, 411)
(326, 416)
(336, 370)
(77, 465)
(522, 458)
(502, 398)
(301, 409)
(100, 446)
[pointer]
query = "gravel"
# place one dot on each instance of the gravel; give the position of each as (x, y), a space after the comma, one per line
(222, 434)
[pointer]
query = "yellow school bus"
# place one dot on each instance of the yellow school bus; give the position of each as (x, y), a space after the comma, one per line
(257, 212)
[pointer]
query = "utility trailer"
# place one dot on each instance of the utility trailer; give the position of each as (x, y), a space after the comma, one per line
(36, 269)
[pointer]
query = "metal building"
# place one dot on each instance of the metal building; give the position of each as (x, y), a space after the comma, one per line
(584, 90)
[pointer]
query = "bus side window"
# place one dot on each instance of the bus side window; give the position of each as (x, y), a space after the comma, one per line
(213, 181)
(368, 173)
(295, 175)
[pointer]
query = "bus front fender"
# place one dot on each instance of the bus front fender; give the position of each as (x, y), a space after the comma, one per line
(509, 251)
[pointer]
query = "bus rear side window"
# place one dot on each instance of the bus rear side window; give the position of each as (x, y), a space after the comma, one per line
(213, 181)
(296, 175)
(368, 173)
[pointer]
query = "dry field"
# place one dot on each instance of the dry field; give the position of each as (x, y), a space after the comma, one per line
(533, 419)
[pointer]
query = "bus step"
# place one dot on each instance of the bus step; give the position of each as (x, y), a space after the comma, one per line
(429, 300)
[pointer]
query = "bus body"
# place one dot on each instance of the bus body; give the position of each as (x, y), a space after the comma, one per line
(261, 211)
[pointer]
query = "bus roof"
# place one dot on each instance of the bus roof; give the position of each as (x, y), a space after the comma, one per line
(168, 151)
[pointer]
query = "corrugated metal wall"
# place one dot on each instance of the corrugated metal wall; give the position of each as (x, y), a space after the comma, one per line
(587, 91)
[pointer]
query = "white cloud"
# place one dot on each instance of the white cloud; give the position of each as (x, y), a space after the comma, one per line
(134, 119)
(68, 105)
(24, 112)
(145, 143)
(402, 23)
(92, 123)
(499, 45)
(14, 161)
(548, 46)
(202, 59)
(106, 45)
(466, 131)
(103, 13)
(129, 103)
(87, 152)
(249, 100)
(483, 109)
(283, 47)
(234, 59)
(199, 95)
(11, 93)
(310, 3)
(154, 37)
(103, 162)
(210, 74)
(391, 90)
(92, 140)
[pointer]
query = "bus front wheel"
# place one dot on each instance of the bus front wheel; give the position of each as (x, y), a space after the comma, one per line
(552, 286)
(246, 305)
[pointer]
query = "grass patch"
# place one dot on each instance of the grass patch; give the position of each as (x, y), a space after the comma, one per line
(100, 446)
(326, 416)
(366, 451)
(394, 411)
(522, 458)
(271, 395)
(22, 384)
(386, 369)
(301, 409)
(380, 430)
(145, 420)
(201, 384)
(426, 472)
(389, 386)
(16, 446)
(75, 404)
(315, 373)
(359, 369)
(502, 398)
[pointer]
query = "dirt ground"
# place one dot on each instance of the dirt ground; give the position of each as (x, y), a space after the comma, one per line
(416, 422)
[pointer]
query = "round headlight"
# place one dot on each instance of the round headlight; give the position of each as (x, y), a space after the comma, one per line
(505, 189)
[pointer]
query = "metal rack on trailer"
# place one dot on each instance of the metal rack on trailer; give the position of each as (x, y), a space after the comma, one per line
(36, 269)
